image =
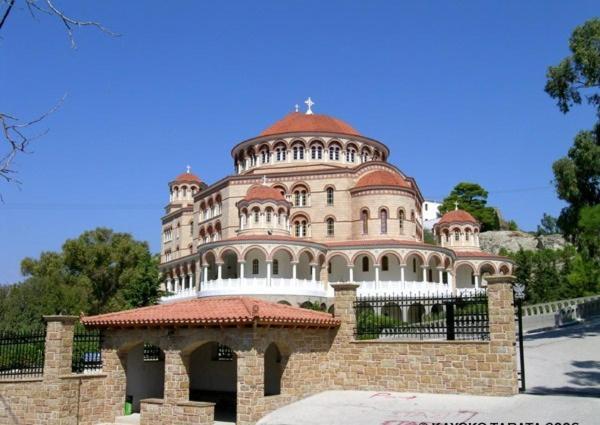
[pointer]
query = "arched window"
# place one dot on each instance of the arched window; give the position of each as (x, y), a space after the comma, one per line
(330, 226)
(412, 215)
(383, 215)
(300, 197)
(334, 153)
(467, 233)
(300, 228)
(298, 152)
(350, 155)
(414, 265)
(365, 264)
(255, 266)
(265, 156)
(275, 266)
(329, 196)
(256, 214)
(364, 216)
(280, 153)
(316, 152)
(385, 263)
(401, 219)
(269, 214)
(456, 235)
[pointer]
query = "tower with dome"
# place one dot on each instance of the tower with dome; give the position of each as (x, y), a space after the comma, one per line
(312, 201)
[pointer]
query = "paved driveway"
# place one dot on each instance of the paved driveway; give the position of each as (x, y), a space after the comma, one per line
(563, 374)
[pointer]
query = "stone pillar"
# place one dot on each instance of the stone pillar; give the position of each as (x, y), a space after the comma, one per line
(269, 273)
(376, 274)
(501, 313)
(441, 275)
(177, 380)
(476, 281)
(198, 274)
(313, 272)
(219, 271)
(351, 273)
(59, 346)
(424, 268)
(204, 274)
(294, 270)
(242, 277)
(250, 386)
(402, 267)
(345, 295)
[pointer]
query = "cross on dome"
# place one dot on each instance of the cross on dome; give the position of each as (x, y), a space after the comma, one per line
(188, 169)
(310, 103)
(296, 106)
(455, 205)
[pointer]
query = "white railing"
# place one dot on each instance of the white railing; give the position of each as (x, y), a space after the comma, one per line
(303, 287)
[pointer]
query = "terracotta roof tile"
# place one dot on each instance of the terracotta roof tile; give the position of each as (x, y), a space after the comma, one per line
(215, 311)
(457, 216)
(382, 178)
(263, 193)
(477, 254)
(297, 122)
(188, 177)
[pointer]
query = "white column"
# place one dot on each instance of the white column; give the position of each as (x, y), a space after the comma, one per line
(402, 273)
(424, 273)
(351, 272)
(269, 273)
(242, 263)
(313, 273)
(169, 282)
(477, 281)
(377, 274)
(205, 273)
(219, 271)
(451, 282)
(294, 269)
(176, 284)
(441, 275)
(190, 284)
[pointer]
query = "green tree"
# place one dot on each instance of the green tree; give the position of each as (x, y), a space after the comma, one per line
(548, 225)
(472, 198)
(578, 75)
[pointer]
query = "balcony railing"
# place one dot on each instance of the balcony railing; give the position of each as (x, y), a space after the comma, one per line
(305, 287)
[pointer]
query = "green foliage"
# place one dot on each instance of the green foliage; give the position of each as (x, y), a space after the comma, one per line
(313, 305)
(548, 225)
(100, 271)
(428, 237)
(472, 198)
(370, 324)
(512, 225)
(579, 72)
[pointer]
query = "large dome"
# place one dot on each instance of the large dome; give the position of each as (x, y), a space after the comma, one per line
(263, 193)
(382, 178)
(457, 216)
(297, 122)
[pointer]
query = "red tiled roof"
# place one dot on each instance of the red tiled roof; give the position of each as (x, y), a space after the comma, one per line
(457, 216)
(263, 193)
(382, 178)
(297, 122)
(477, 254)
(376, 242)
(215, 311)
(188, 177)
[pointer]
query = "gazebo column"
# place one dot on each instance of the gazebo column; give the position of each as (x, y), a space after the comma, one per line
(424, 273)
(441, 274)
(176, 283)
(451, 282)
(220, 271)
(376, 273)
(294, 271)
(269, 263)
(190, 284)
(476, 281)
(313, 272)
(168, 284)
(197, 275)
(205, 274)
(351, 273)
(402, 267)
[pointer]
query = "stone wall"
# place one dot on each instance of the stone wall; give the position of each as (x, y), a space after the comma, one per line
(310, 361)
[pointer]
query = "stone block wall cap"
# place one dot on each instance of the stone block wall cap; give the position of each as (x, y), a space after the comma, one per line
(61, 318)
(152, 401)
(196, 403)
(500, 278)
(344, 286)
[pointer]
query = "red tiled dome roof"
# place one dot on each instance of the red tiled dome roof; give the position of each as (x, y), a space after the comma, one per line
(297, 122)
(188, 178)
(214, 312)
(457, 216)
(382, 178)
(263, 193)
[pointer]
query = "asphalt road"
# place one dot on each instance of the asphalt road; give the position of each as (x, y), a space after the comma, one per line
(562, 374)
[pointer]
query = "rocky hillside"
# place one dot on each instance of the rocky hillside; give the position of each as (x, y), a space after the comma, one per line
(512, 241)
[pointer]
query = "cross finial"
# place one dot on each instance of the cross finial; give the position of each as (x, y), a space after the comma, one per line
(455, 205)
(188, 169)
(297, 107)
(310, 103)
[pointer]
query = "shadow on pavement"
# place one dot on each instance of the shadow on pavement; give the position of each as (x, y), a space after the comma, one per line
(583, 382)
(575, 331)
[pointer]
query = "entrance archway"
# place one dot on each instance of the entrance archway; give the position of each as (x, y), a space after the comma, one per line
(145, 373)
(213, 378)
(273, 370)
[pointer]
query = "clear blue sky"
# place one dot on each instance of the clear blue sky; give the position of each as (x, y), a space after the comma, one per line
(455, 89)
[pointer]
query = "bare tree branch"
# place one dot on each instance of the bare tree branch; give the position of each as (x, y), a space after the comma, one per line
(6, 12)
(15, 134)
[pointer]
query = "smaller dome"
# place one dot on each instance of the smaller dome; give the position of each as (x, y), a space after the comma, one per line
(457, 216)
(263, 193)
(187, 177)
(382, 178)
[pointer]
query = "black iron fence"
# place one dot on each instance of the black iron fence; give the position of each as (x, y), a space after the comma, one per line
(22, 354)
(87, 350)
(427, 317)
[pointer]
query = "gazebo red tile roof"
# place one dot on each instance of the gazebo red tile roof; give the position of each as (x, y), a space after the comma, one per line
(217, 311)
(297, 122)
(187, 178)
(382, 178)
(263, 193)
(457, 216)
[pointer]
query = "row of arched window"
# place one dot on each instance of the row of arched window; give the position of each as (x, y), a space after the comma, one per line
(383, 220)
(299, 152)
(182, 192)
